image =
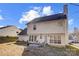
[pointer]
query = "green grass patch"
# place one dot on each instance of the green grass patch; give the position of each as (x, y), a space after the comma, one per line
(65, 51)
(7, 39)
(73, 49)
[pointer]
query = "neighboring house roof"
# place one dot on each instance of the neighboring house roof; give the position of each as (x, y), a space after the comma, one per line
(50, 18)
(23, 32)
(7, 26)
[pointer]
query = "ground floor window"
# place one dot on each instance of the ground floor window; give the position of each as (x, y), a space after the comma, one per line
(55, 39)
(32, 38)
(35, 37)
(51, 39)
(40, 36)
(59, 41)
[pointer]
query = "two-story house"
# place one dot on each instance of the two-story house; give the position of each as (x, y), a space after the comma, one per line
(52, 29)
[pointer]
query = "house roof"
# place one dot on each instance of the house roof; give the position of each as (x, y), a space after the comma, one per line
(23, 32)
(7, 26)
(50, 18)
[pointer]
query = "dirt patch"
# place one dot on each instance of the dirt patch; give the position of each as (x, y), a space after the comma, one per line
(10, 49)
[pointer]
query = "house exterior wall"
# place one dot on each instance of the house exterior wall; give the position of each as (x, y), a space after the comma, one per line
(55, 26)
(10, 31)
(48, 29)
(47, 37)
(23, 38)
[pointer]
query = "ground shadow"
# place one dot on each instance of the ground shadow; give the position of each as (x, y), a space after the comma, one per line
(52, 51)
(20, 43)
(27, 53)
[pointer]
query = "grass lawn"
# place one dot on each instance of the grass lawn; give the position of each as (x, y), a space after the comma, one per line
(8, 39)
(18, 49)
(65, 51)
(52, 51)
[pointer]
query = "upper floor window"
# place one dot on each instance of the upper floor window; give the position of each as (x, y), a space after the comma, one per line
(34, 27)
(17, 32)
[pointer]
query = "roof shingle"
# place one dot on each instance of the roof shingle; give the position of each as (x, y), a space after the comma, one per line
(50, 18)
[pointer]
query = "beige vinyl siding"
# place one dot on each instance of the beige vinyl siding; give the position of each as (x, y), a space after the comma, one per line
(47, 27)
(10, 31)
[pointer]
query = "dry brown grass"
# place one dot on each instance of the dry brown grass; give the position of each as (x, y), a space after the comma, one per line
(9, 49)
(20, 49)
